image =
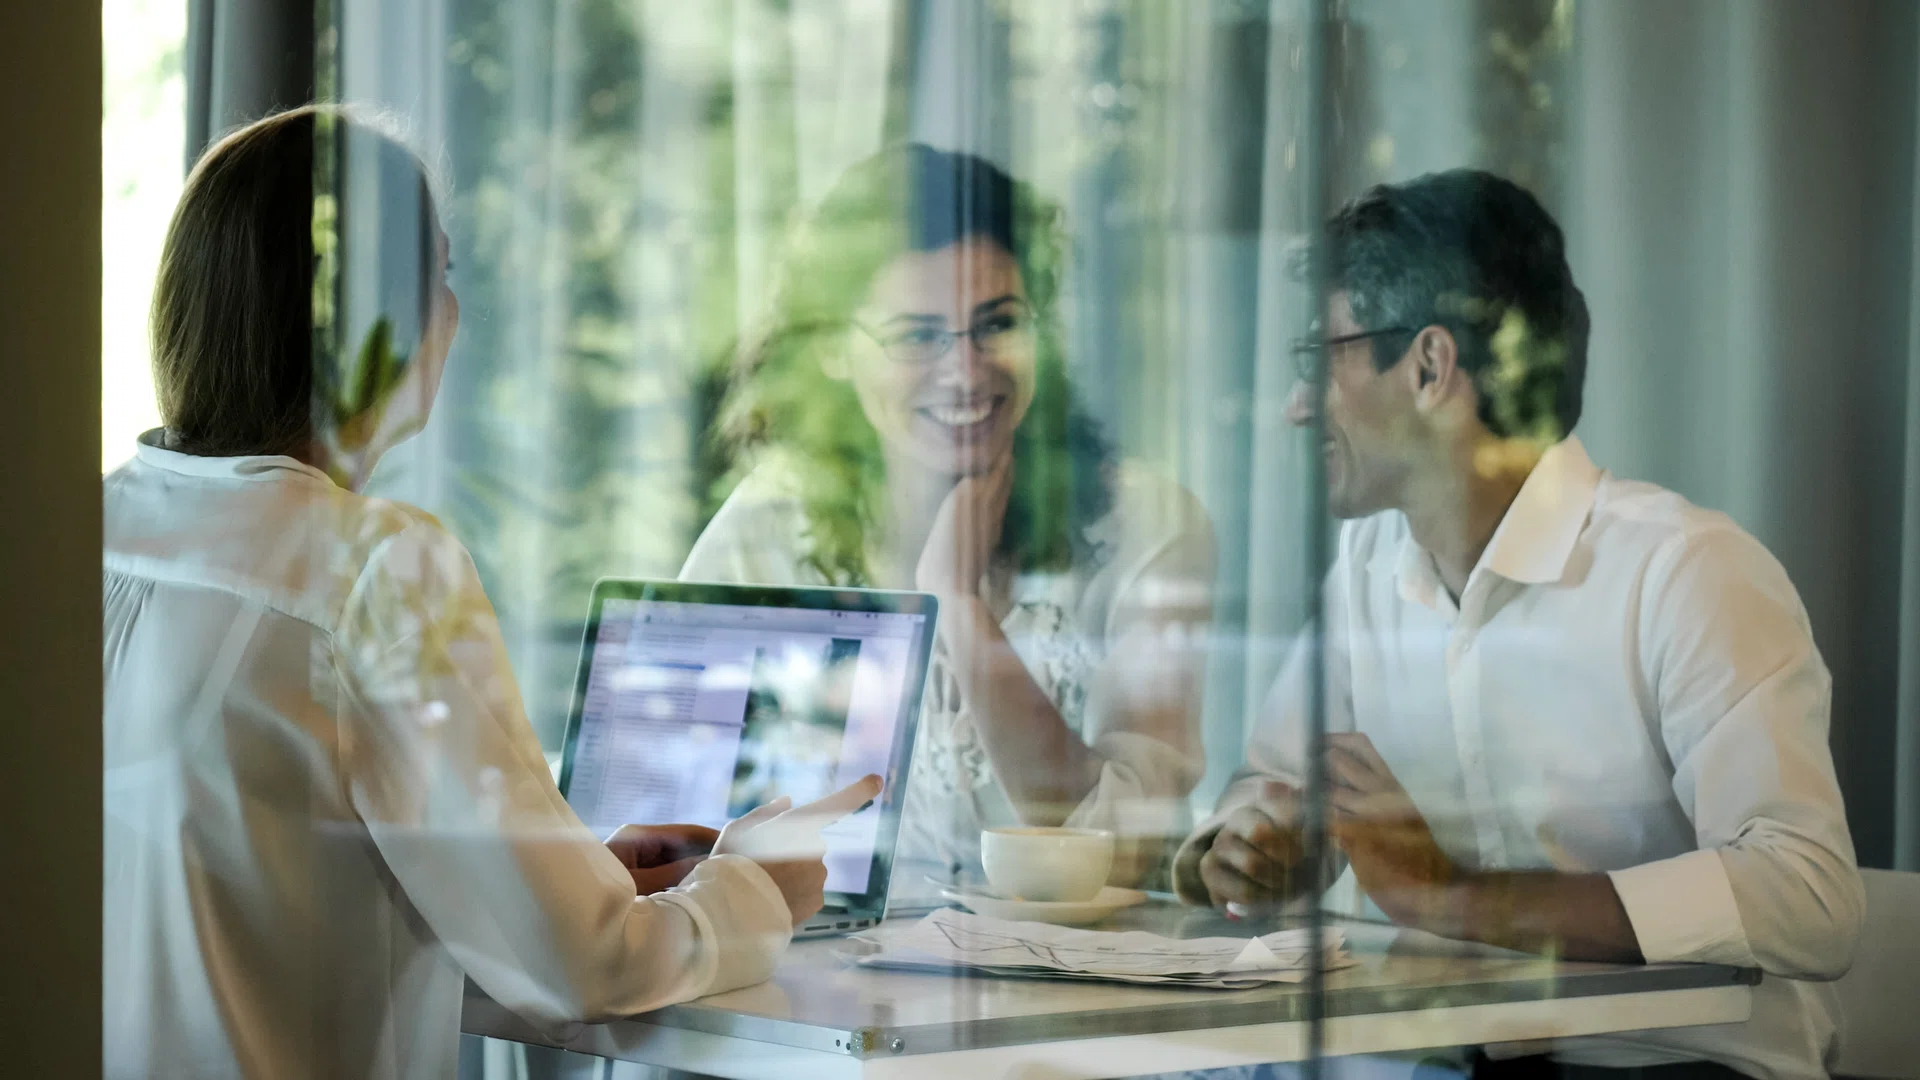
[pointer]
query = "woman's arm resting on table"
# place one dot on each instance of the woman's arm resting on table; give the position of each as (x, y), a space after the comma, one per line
(1044, 766)
(440, 763)
(1141, 743)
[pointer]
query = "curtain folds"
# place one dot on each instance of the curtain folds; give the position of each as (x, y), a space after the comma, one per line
(1741, 215)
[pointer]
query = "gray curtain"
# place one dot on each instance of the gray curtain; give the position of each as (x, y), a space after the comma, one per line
(245, 58)
(1740, 199)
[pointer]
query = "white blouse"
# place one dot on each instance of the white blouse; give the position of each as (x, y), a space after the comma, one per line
(1129, 624)
(324, 804)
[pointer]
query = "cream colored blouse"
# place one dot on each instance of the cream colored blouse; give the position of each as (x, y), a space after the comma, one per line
(1117, 644)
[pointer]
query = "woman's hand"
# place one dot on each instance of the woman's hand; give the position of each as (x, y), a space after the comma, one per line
(660, 856)
(786, 841)
(965, 533)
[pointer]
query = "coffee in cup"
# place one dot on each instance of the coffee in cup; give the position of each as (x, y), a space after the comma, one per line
(1047, 864)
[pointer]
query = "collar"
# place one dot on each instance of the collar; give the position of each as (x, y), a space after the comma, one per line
(1538, 533)
(153, 453)
(1536, 536)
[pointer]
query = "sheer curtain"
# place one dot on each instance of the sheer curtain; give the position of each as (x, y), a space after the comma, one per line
(1737, 180)
(618, 177)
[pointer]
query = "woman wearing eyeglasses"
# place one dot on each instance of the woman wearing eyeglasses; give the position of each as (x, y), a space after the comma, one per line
(903, 419)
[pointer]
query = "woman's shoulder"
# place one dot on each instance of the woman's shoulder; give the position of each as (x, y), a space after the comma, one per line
(386, 522)
(1156, 543)
(767, 497)
(1150, 512)
(756, 534)
(398, 563)
(268, 529)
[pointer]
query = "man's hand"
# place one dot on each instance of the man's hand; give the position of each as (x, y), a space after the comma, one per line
(1255, 857)
(788, 846)
(660, 856)
(1394, 856)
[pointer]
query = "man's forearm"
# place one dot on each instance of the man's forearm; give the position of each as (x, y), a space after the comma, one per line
(1574, 916)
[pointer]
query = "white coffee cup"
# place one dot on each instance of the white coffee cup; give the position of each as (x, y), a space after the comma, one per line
(1047, 864)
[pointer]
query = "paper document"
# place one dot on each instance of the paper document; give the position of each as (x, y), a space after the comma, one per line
(950, 939)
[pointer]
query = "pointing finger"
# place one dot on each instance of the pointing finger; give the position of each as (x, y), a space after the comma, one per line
(847, 800)
(767, 811)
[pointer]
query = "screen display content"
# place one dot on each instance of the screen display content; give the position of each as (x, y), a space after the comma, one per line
(700, 712)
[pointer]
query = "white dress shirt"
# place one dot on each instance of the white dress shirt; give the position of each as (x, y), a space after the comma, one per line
(1627, 684)
(324, 803)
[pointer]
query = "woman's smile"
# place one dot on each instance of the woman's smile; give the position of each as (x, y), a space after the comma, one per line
(964, 419)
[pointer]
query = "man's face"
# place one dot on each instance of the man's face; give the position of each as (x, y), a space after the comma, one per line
(1371, 422)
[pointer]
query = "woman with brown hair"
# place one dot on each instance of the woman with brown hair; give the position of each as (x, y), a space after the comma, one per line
(904, 419)
(324, 803)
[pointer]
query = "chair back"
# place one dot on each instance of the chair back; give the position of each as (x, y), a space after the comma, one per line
(1880, 996)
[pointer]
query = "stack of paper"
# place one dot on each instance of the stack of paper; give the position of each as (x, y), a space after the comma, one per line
(948, 940)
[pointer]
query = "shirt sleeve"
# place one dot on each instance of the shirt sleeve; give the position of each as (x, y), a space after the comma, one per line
(441, 765)
(1143, 700)
(1743, 699)
(1276, 746)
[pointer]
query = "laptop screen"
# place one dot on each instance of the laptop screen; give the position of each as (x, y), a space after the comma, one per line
(698, 712)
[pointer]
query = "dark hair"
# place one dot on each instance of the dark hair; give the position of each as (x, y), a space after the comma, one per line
(908, 198)
(1479, 255)
(248, 354)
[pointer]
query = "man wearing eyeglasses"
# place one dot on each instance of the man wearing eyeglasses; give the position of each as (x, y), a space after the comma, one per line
(1567, 713)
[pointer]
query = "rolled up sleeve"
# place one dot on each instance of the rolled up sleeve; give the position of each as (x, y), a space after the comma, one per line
(1744, 703)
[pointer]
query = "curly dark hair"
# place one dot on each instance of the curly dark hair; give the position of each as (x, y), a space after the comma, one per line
(907, 198)
(1479, 255)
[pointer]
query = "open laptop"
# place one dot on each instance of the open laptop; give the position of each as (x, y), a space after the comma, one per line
(698, 702)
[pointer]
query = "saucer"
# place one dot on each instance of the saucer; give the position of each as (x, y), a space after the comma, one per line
(1062, 913)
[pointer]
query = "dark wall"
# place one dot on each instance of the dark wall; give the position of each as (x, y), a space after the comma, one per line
(49, 567)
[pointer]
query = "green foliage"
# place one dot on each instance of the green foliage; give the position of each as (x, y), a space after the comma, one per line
(376, 371)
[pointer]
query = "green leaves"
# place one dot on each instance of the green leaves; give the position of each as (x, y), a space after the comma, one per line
(377, 369)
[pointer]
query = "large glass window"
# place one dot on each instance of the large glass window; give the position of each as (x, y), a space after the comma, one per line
(1437, 471)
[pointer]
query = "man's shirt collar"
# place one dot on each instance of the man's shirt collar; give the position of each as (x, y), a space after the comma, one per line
(1535, 538)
